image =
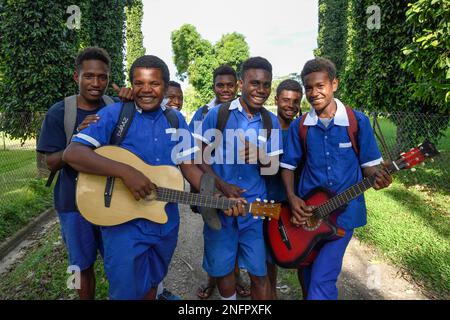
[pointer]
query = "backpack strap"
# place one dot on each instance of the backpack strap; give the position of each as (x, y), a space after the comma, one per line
(108, 100)
(267, 121)
(222, 117)
(352, 129)
(303, 132)
(70, 116)
(172, 118)
(125, 119)
(205, 110)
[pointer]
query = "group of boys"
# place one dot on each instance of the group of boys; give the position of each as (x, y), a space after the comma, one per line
(137, 254)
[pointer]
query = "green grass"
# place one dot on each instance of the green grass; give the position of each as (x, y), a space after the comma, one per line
(412, 230)
(43, 274)
(22, 195)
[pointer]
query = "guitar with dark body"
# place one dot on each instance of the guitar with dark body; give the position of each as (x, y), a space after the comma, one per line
(297, 247)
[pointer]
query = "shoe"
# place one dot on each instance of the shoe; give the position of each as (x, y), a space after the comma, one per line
(167, 295)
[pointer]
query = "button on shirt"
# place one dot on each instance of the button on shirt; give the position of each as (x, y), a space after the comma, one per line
(140, 139)
(331, 161)
(226, 165)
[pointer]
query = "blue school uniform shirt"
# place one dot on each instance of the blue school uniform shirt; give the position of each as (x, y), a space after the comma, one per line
(52, 139)
(198, 115)
(331, 161)
(226, 165)
(152, 139)
(274, 184)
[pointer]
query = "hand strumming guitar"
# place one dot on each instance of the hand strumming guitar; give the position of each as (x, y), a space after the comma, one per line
(300, 211)
(139, 185)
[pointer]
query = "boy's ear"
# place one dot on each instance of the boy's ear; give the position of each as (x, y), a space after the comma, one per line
(76, 76)
(240, 83)
(335, 84)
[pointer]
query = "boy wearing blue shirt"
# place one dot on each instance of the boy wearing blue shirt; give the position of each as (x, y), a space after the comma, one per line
(331, 162)
(241, 238)
(288, 99)
(81, 238)
(138, 253)
(225, 89)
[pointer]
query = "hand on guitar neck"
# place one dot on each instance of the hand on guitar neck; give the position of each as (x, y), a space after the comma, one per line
(382, 178)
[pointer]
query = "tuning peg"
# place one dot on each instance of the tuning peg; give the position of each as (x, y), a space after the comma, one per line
(265, 201)
(263, 217)
(272, 201)
(258, 199)
(270, 219)
(255, 217)
(413, 169)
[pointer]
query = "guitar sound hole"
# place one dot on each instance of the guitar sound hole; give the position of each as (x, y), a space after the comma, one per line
(312, 224)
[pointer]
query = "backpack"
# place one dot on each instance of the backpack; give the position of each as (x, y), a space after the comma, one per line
(70, 120)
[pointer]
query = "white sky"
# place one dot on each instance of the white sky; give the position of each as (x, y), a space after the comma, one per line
(283, 31)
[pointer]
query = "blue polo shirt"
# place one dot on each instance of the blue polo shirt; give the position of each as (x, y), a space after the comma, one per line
(52, 138)
(226, 164)
(331, 161)
(274, 184)
(151, 138)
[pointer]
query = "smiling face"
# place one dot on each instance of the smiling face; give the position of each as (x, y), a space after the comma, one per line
(225, 88)
(148, 88)
(256, 86)
(319, 90)
(92, 79)
(288, 104)
(174, 97)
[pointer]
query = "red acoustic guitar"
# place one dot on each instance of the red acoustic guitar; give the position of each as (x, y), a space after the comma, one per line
(297, 247)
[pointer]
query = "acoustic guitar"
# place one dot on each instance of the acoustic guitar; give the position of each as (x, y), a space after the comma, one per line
(297, 247)
(106, 201)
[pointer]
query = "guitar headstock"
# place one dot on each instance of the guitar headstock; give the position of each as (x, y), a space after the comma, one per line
(265, 208)
(417, 155)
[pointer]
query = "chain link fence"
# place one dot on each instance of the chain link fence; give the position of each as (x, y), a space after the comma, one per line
(398, 132)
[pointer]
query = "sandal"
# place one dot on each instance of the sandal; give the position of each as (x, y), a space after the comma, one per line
(205, 291)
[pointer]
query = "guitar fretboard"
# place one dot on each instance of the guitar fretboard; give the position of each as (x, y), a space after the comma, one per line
(348, 195)
(170, 195)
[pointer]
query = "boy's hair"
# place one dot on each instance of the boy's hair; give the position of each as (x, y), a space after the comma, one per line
(256, 63)
(174, 84)
(150, 61)
(289, 85)
(92, 53)
(224, 70)
(319, 65)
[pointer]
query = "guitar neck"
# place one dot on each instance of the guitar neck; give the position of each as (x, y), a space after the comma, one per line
(170, 195)
(348, 195)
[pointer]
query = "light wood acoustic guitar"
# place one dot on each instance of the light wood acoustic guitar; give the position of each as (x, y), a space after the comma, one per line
(106, 201)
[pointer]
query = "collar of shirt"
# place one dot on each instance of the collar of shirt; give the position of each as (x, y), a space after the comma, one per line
(211, 104)
(340, 118)
(139, 109)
